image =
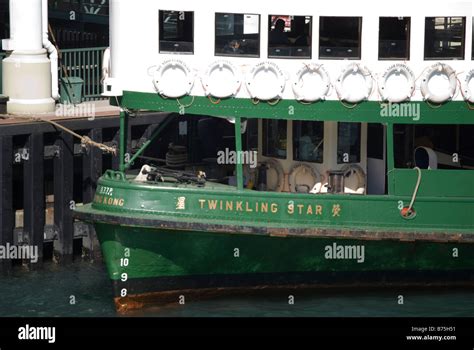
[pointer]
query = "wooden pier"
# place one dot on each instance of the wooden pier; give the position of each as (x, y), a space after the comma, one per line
(45, 172)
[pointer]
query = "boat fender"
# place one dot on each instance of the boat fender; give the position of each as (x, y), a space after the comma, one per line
(351, 170)
(221, 79)
(311, 183)
(274, 166)
(467, 92)
(266, 81)
(173, 78)
(393, 90)
(311, 83)
(437, 71)
(353, 93)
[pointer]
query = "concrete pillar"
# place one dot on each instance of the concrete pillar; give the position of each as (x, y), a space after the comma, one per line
(27, 69)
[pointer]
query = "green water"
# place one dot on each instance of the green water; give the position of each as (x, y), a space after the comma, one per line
(48, 292)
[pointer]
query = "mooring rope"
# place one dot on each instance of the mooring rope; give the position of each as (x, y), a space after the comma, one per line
(415, 191)
(85, 140)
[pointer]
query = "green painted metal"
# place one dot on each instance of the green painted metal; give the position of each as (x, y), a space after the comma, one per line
(435, 183)
(390, 158)
(123, 139)
(454, 112)
(221, 204)
(238, 149)
(158, 253)
(85, 63)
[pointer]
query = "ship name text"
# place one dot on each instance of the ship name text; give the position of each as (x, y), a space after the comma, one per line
(264, 207)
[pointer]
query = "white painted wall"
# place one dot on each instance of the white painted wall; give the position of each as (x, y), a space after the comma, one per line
(134, 37)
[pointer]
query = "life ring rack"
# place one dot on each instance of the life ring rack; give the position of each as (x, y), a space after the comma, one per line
(354, 169)
(306, 169)
(467, 93)
(357, 94)
(404, 93)
(438, 69)
(309, 94)
(223, 90)
(266, 89)
(173, 79)
(274, 164)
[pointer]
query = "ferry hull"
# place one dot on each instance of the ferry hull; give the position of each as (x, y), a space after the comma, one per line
(153, 265)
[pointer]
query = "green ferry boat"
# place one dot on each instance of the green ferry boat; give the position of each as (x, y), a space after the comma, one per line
(351, 161)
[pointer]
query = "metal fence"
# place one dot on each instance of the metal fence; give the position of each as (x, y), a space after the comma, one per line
(86, 64)
(83, 63)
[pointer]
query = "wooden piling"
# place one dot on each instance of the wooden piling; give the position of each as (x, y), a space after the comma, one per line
(7, 215)
(63, 197)
(33, 194)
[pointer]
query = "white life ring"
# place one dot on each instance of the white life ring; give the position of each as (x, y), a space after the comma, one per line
(467, 87)
(355, 83)
(173, 78)
(105, 65)
(354, 179)
(274, 181)
(266, 81)
(221, 79)
(304, 179)
(397, 84)
(439, 83)
(312, 83)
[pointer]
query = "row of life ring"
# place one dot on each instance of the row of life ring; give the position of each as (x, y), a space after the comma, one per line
(303, 178)
(266, 81)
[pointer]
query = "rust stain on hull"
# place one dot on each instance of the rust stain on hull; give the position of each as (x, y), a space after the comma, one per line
(167, 299)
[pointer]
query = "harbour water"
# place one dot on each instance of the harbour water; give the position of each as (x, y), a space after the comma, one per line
(52, 291)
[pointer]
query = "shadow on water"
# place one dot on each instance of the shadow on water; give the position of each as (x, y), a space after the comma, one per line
(49, 292)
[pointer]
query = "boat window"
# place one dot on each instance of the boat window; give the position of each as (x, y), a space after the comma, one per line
(444, 37)
(274, 138)
(375, 141)
(237, 35)
(176, 32)
(394, 38)
(451, 146)
(340, 37)
(308, 141)
(251, 134)
(348, 142)
(472, 45)
(289, 36)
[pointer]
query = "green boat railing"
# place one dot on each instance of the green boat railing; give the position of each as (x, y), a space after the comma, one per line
(83, 63)
(86, 64)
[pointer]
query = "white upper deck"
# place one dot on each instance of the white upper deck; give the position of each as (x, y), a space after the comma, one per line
(135, 41)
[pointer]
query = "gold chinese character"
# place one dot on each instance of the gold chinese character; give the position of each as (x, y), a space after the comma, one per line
(336, 210)
(181, 203)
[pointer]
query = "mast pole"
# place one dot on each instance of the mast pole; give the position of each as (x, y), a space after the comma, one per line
(390, 154)
(123, 139)
(238, 149)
